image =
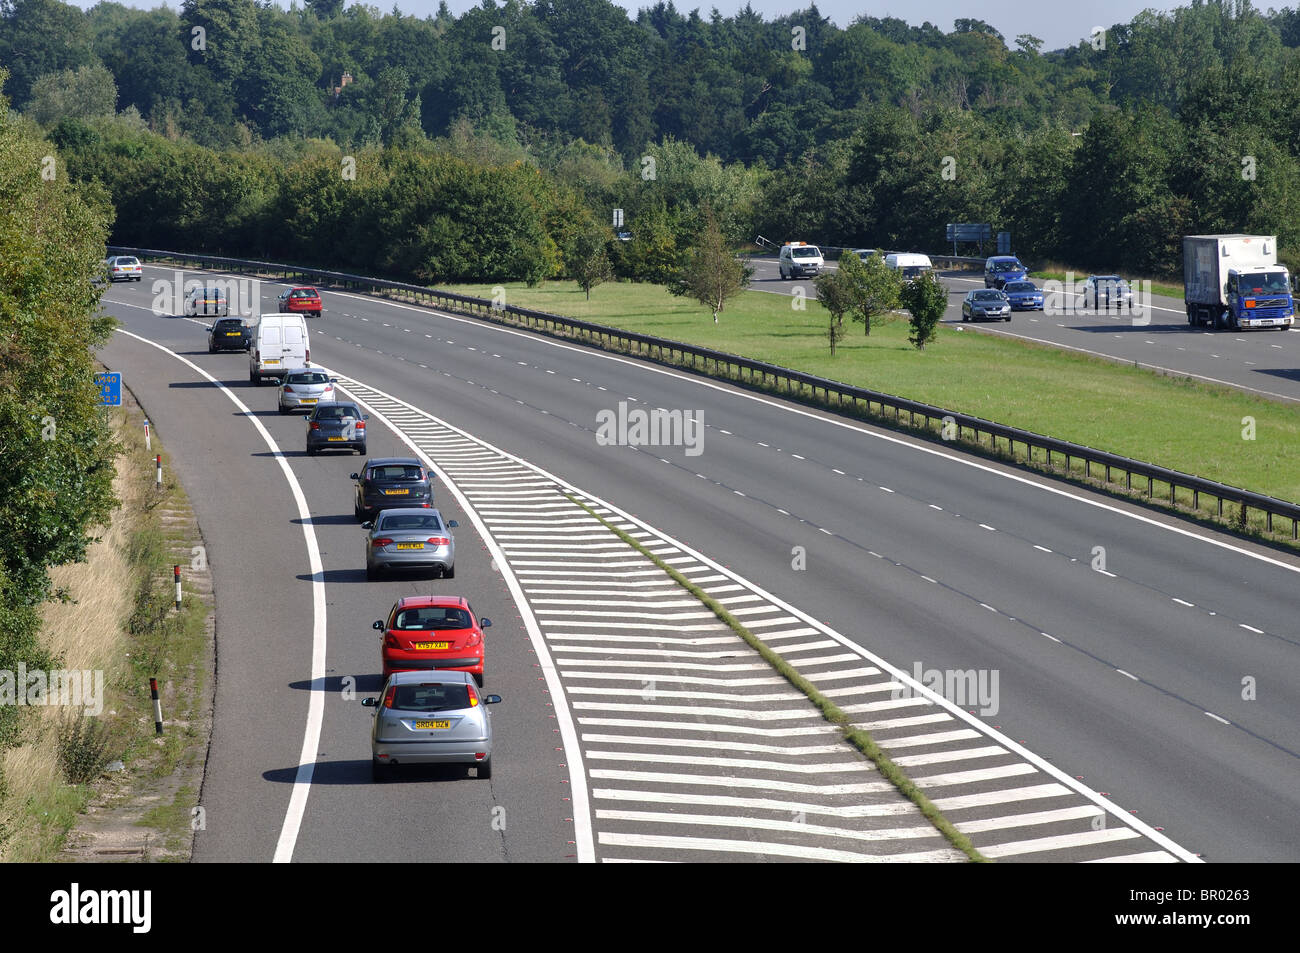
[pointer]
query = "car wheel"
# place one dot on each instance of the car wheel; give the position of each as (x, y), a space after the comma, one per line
(361, 450)
(965, 318)
(485, 769)
(311, 451)
(252, 378)
(1007, 319)
(371, 572)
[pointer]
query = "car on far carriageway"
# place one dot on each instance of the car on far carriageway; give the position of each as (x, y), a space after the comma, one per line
(205, 301)
(305, 389)
(1024, 295)
(336, 425)
(390, 481)
(430, 718)
(1107, 291)
(986, 304)
(410, 538)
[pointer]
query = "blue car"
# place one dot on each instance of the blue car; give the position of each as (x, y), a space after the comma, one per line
(1024, 295)
(1000, 269)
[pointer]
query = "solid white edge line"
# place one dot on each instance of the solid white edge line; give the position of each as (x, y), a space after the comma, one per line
(316, 700)
(583, 840)
(918, 688)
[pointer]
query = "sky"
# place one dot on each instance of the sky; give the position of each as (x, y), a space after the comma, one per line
(1058, 24)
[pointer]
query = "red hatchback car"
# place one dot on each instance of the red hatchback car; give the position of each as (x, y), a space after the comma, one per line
(432, 632)
(301, 300)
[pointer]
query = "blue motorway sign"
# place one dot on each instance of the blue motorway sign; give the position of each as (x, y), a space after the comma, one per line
(110, 388)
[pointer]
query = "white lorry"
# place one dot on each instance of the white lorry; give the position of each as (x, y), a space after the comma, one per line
(1234, 281)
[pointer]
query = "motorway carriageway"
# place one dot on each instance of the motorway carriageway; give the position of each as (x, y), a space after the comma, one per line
(637, 728)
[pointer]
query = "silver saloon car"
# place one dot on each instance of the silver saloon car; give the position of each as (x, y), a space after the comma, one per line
(305, 389)
(410, 538)
(430, 718)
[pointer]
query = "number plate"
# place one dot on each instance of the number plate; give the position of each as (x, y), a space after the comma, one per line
(410, 545)
(269, 361)
(442, 724)
(337, 438)
(432, 646)
(232, 334)
(396, 492)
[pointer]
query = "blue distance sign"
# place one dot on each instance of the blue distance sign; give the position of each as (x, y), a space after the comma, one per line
(110, 388)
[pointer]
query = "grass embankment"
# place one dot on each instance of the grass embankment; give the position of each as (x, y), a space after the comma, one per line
(1178, 423)
(859, 738)
(57, 802)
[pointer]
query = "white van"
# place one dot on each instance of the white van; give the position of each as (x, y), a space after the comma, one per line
(911, 265)
(279, 345)
(799, 260)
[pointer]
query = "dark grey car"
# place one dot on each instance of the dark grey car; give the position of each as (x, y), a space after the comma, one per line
(390, 481)
(986, 304)
(430, 718)
(410, 538)
(336, 425)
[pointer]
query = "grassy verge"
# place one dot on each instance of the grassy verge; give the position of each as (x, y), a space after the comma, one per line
(860, 739)
(59, 801)
(1179, 423)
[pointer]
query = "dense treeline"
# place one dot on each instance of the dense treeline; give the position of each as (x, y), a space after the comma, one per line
(484, 144)
(56, 451)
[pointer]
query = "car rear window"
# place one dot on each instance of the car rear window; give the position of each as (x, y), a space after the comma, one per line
(302, 293)
(809, 252)
(336, 412)
(395, 472)
(420, 521)
(309, 378)
(1021, 286)
(431, 697)
(432, 617)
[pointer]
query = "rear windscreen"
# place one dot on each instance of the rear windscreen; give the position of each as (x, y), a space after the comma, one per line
(433, 697)
(395, 472)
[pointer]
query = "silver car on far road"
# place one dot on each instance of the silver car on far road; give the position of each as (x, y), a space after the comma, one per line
(410, 538)
(430, 718)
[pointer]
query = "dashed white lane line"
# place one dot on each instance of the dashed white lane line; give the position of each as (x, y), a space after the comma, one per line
(1106, 573)
(1183, 602)
(1043, 548)
(1251, 628)
(988, 527)
(886, 489)
(1052, 637)
(1217, 718)
(1128, 675)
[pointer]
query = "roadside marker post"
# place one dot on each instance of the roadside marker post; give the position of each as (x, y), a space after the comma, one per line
(148, 443)
(176, 573)
(157, 706)
(158, 474)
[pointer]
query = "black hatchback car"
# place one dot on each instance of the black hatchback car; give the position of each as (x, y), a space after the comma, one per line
(389, 483)
(229, 334)
(336, 425)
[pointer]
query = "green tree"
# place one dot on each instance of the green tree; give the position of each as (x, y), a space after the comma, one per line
(78, 94)
(588, 259)
(871, 288)
(925, 299)
(833, 293)
(711, 273)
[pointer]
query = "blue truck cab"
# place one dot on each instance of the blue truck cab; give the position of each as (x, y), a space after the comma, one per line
(1000, 269)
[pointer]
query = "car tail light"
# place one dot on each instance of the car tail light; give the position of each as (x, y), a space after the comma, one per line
(473, 700)
(390, 641)
(361, 425)
(288, 389)
(438, 540)
(315, 425)
(480, 755)
(390, 696)
(473, 640)
(307, 355)
(381, 541)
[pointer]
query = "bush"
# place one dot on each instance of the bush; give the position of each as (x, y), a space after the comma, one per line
(83, 748)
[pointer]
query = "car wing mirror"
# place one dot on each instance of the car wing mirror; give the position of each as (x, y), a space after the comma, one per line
(452, 523)
(492, 700)
(368, 524)
(485, 623)
(377, 624)
(355, 476)
(370, 702)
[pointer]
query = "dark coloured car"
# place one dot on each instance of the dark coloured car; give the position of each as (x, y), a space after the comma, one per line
(1107, 291)
(229, 334)
(986, 304)
(301, 300)
(336, 425)
(1024, 295)
(206, 301)
(388, 482)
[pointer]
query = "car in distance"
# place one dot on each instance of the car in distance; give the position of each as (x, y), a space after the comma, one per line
(390, 481)
(986, 304)
(229, 334)
(302, 299)
(305, 389)
(1107, 291)
(800, 260)
(1000, 269)
(206, 301)
(336, 425)
(410, 538)
(432, 633)
(430, 718)
(1024, 295)
(124, 268)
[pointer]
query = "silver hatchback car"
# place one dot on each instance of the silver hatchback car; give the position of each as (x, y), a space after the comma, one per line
(410, 538)
(430, 718)
(305, 389)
